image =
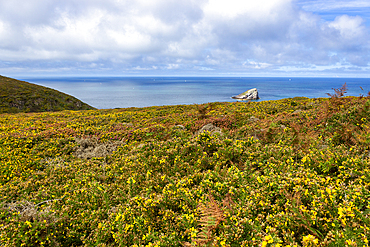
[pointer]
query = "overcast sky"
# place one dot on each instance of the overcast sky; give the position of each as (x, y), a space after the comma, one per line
(185, 37)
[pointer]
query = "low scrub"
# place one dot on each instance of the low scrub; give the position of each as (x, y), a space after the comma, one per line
(292, 172)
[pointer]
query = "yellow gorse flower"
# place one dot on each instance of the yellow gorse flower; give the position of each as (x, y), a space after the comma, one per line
(310, 240)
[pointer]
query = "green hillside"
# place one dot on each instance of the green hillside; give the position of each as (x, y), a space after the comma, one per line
(20, 96)
(292, 172)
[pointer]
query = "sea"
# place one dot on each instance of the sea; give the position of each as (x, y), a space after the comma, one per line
(124, 92)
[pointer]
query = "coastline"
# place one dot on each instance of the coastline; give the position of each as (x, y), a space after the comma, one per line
(122, 92)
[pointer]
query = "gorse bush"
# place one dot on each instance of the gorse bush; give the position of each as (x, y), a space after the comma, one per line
(292, 172)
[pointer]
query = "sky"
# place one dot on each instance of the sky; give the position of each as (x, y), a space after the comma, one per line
(311, 38)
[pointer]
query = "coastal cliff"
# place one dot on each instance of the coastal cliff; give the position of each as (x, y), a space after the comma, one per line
(20, 96)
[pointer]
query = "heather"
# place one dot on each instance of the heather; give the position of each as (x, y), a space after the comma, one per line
(291, 172)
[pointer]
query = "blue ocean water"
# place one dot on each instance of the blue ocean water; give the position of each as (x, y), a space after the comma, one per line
(122, 92)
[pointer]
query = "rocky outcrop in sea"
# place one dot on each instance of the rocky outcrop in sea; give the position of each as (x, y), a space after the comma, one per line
(251, 94)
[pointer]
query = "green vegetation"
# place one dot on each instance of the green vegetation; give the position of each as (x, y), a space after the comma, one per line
(19, 96)
(292, 172)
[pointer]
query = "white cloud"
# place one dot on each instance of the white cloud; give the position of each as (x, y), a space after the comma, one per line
(349, 27)
(140, 68)
(129, 40)
(256, 65)
(77, 34)
(208, 35)
(319, 5)
(204, 69)
(2, 29)
(172, 66)
(233, 8)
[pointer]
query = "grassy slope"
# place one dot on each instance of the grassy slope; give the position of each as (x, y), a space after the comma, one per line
(288, 172)
(20, 96)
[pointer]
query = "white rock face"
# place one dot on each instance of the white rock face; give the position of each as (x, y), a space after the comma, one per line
(250, 94)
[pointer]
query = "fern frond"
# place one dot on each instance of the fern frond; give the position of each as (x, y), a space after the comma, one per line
(211, 215)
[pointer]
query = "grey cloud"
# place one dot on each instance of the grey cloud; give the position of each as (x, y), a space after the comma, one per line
(31, 12)
(174, 11)
(175, 35)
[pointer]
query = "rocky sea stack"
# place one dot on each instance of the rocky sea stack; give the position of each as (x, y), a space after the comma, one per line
(251, 94)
